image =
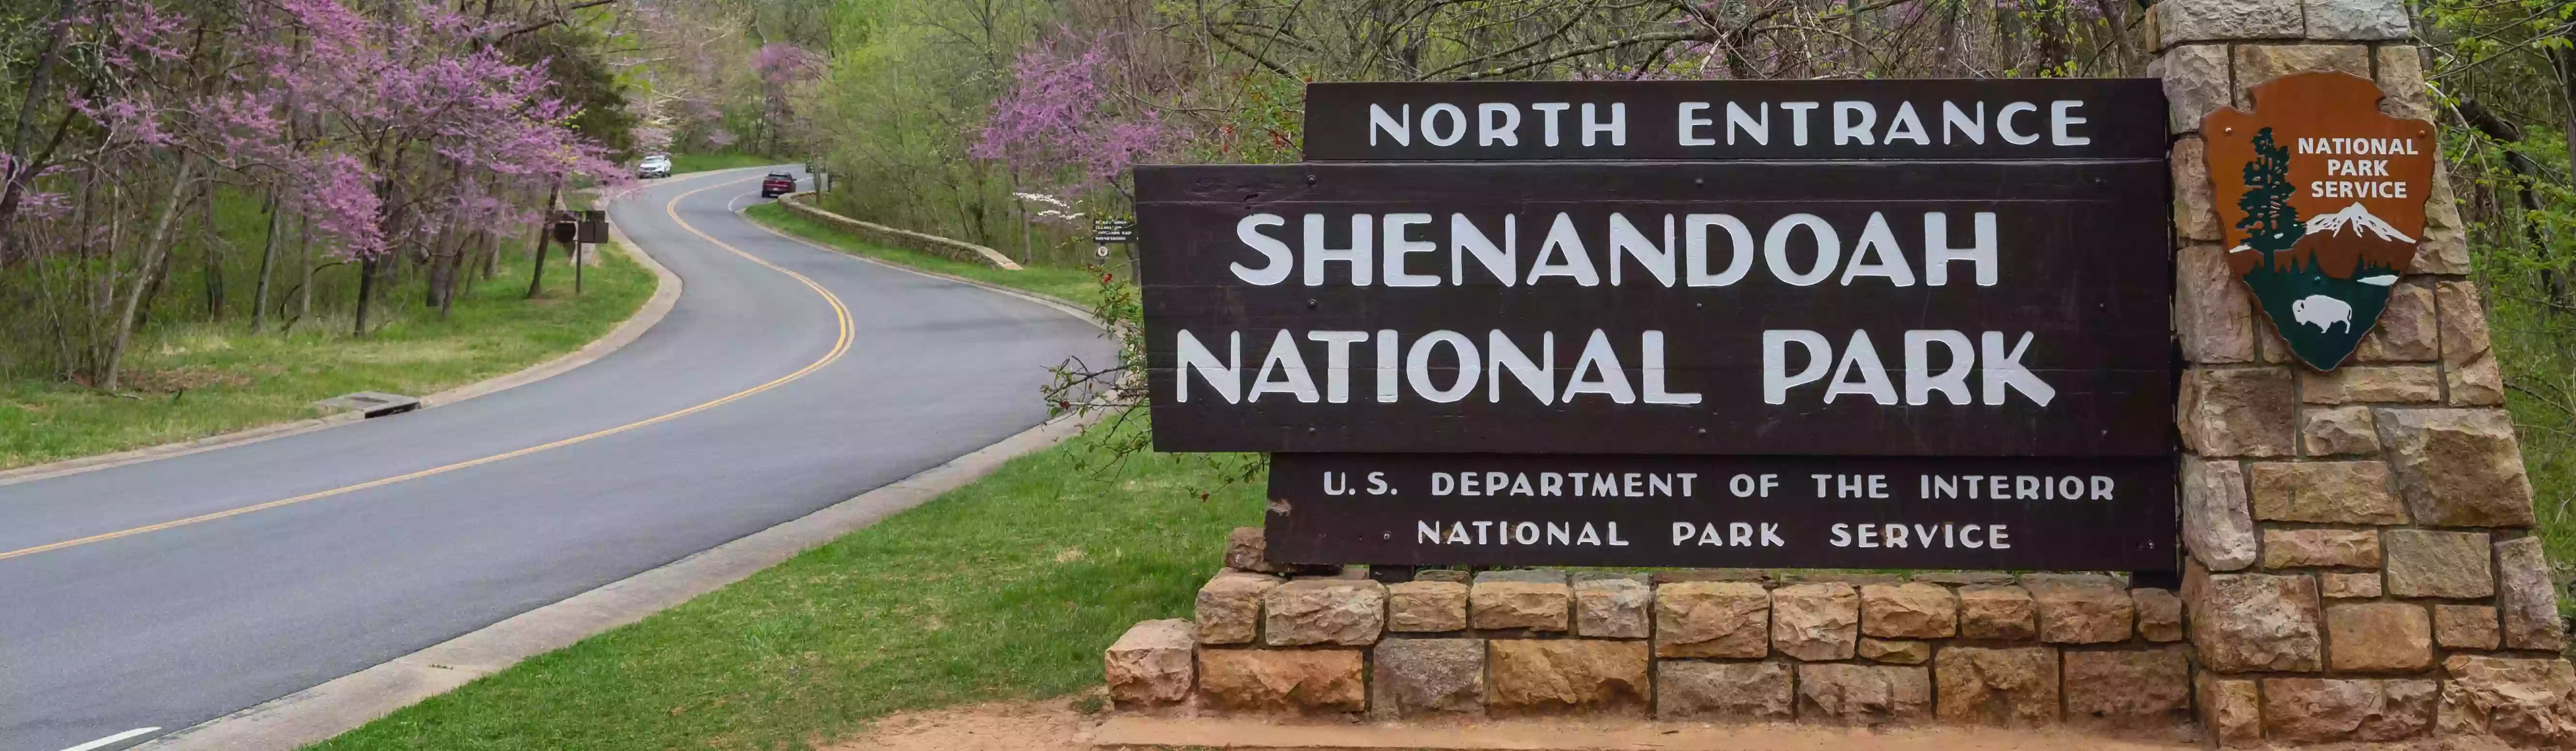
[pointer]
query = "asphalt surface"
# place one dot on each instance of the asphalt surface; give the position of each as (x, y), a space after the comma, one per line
(176, 626)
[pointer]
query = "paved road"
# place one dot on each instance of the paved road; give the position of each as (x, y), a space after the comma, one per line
(172, 627)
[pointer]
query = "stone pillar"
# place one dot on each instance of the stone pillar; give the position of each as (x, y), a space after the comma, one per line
(2361, 566)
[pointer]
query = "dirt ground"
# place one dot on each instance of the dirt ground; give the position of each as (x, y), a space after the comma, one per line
(1059, 725)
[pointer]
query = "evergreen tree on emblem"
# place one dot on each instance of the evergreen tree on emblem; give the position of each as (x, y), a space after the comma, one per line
(2272, 225)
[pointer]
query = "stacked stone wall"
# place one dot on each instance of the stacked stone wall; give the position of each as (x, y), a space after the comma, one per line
(2361, 561)
(1697, 645)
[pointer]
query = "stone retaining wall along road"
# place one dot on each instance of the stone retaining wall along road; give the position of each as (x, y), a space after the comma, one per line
(897, 237)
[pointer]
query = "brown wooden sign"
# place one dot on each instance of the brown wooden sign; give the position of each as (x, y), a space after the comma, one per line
(2056, 118)
(2321, 197)
(2087, 514)
(1856, 308)
(1867, 324)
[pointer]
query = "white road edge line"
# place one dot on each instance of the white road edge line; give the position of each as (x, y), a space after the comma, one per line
(113, 739)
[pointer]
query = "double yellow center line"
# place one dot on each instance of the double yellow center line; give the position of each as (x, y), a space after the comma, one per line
(839, 347)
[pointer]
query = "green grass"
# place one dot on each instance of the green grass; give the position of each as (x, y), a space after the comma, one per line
(191, 380)
(1075, 285)
(1004, 589)
(686, 163)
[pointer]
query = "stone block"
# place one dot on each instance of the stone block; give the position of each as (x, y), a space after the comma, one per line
(2457, 467)
(2353, 492)
(1728, 691)
(2230, 412)
(1323, 611)
(1712, 619)
(1613, 609)
(2377, 384)
(2195, 83)
(2256, 622)
(1530, 676)
(2336, 585)
(2406, 331)
(2379, 636)
(1962, 578)
(2526, 599)
(2180, 21)
(2479, 383)
(1150, 664)
(2003, 613)
(1446, 575)
(1537, 606)
(1523, 575)
(1815, 622)
(2401, 81)
(1908, 611)
(2082, 613)
(2230, 709)
(2524, 701)
(2213, 314)
(2426, 563)
(2128, 688)
(2328, 710)
(1895, 652)
(2015, 687)
(1854, 578)
(1410, 677)
(2300, 548)
(1420, 606)
(2257, 64)
(2338, 430)
(2357, 20)
(1843, 693)
(1675, 576)
(2444, 250)
(2196, 218)
(2442, 207)
(2464, 321)
(2465, 627)
(1247, 550)
(1282, 680)
(2159, 614)
(1229, 607)
(2217, 527)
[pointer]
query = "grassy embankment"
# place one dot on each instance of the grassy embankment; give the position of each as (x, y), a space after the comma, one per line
(187, 380)
(1004, 589)
(687, 163)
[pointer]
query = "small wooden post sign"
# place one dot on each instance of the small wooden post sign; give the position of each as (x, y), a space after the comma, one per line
(1867, 324)
(2321, 197)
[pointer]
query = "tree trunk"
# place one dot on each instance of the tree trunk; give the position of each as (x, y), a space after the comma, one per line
(267, 263)
(366, 293)
(537, 271)
(304, 261)
(154, 250)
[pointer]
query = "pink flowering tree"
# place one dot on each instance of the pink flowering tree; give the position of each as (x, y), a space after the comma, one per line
(1058, 122)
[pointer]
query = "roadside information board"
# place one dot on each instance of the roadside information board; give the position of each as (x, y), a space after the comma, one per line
(1870, 324)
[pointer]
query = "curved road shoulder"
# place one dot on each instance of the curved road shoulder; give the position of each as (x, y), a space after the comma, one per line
(342, 704)
(666, 293)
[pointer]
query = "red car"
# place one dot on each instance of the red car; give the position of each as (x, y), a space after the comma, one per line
(777, 184)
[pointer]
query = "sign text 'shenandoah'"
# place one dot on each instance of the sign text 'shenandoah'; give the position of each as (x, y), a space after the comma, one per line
(1744, 307)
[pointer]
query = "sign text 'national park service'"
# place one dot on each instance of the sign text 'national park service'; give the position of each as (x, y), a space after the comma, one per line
(2321, 199)
(1827, 323)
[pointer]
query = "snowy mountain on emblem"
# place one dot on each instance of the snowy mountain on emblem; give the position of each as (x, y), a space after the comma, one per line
(2361, 221)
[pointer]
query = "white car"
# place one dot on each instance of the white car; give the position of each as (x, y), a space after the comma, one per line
(657, 165)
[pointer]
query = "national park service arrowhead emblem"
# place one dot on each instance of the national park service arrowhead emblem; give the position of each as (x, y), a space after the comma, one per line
(2321, 197)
